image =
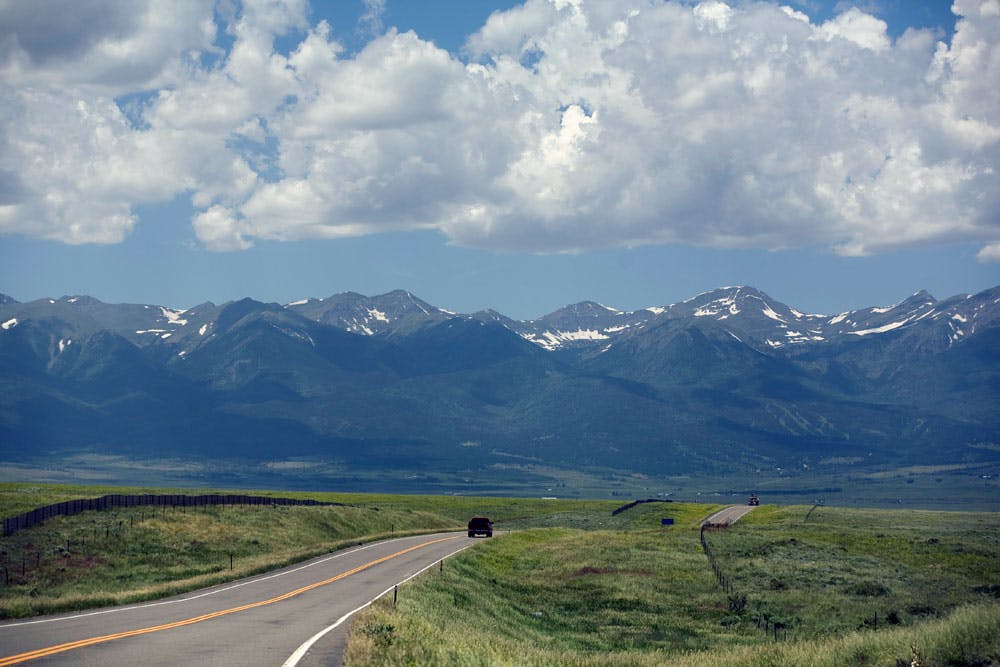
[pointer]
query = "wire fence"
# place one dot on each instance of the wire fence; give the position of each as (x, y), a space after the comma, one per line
(72, 507)
(774, 628)
(771, 627)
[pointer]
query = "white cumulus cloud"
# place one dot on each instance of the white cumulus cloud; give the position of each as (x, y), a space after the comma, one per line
(990, 253)
(563, 126)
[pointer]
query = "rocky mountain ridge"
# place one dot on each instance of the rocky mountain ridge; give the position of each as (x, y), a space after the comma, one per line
(725, 380)
(744, 311)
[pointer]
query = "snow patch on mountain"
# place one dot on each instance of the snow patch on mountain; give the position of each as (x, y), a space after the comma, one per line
(378, 315)
(795, 337)
(9, 324)
(360, 327)
(728, 288)
(414, 301)
(553, 340)
(718, 307)
(173, 316)
(582, 334)
(769, 312)
(956, 333)
(876, 330)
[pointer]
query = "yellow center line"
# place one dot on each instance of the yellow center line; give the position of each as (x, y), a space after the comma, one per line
(69, 646)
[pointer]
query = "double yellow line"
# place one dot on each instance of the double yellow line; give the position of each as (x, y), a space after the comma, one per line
(69, 646)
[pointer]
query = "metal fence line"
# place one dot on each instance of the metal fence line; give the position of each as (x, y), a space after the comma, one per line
(71, 507)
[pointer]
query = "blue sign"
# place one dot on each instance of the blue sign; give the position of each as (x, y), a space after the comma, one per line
(666, 522)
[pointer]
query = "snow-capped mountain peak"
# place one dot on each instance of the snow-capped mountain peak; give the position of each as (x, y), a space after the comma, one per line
(744, 313)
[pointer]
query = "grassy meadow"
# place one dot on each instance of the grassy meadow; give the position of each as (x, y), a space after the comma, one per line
(140, 553)
(641, 594)
(563, 582)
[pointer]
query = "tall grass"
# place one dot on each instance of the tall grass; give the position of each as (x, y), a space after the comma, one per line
(969, 636)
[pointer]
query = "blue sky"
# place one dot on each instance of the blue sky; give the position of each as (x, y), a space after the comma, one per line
(500, 155)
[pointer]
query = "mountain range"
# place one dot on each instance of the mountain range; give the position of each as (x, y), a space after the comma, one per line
(727, 380)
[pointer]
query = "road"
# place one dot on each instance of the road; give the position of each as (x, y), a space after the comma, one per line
(261, 620)
(727, 516)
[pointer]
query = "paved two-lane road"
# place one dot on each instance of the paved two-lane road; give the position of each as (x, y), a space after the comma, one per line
(257, 621)
(727, 516)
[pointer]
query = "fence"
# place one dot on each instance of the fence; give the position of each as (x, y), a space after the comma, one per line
(72, 507)
(773, 628)
(738, 601)
(638, 502)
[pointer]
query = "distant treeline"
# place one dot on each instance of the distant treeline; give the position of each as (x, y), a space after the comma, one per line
(804, 492)
(71, 507)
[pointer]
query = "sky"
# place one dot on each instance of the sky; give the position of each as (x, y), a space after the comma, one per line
(499, 154)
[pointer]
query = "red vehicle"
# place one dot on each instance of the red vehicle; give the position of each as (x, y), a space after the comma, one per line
(480, 525)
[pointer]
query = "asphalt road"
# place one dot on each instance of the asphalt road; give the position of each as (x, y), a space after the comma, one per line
(727, 516)
(262, 620)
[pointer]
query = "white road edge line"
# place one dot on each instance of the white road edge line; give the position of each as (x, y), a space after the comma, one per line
(115, 610)
(301, 651)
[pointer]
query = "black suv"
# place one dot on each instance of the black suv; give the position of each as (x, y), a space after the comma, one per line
(480, 525)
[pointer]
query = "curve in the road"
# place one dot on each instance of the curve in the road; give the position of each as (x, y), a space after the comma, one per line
(69, 646)
(300, 652)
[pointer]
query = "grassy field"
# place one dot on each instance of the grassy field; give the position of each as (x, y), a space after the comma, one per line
(125, 555)
(844, 567)
(839, 481)
(640, 594)
(563, 582)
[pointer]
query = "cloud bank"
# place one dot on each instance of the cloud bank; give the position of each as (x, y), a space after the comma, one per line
(564, 126)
